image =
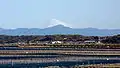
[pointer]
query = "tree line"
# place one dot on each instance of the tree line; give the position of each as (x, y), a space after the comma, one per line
(112, 39)
(74, 38)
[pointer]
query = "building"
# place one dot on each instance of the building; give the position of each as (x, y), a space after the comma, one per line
(89, 41)
(57, 42)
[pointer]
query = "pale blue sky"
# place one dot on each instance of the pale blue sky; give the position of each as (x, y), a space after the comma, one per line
(77, 13)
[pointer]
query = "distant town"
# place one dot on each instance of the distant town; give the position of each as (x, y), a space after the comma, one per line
(58, 40)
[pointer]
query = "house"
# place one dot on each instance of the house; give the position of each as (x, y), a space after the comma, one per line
(57, 42)
(89, 41)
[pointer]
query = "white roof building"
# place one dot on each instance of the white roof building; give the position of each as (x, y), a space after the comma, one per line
(89, 41)
(56, 42)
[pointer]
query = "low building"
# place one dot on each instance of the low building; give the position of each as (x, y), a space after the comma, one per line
(42, 42)
(89, 41)
(57, 42)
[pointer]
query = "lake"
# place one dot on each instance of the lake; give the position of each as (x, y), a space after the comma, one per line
(41, 60)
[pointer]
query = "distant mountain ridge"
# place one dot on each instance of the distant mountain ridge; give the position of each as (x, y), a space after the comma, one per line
(60, 29)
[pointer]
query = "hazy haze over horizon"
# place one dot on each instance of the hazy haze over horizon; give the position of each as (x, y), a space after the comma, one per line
(103, 14)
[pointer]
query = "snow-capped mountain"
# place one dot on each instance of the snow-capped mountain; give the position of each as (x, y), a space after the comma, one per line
(60, 29)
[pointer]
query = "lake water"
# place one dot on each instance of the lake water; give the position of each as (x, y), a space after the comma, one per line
(54, 48)
(30, 58)
(60, 64)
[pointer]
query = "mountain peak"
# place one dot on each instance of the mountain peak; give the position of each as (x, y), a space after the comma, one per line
(59, 25)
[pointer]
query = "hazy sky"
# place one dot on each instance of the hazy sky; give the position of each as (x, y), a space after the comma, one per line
(73, 13)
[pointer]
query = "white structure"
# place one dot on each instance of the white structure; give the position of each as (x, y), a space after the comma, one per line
(56, 42)
(89, 41)
(99, 40)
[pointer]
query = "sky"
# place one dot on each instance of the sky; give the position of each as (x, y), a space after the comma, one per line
(103, 14)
